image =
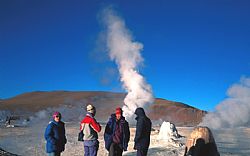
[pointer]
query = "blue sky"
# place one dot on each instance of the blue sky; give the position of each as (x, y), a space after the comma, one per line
(193, 50)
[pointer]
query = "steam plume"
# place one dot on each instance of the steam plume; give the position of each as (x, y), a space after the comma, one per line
(233, 111)
(127, 55)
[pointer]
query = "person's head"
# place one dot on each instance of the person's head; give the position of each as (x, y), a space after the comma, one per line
(91, 109)
(118, 113)
(139, 111)
(57, 116)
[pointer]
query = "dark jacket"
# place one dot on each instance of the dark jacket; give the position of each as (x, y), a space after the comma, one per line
(110, 130)
(55, 137)
(143, 130)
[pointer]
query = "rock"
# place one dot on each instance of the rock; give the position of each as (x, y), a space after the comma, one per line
(201, 143)
(169, 134)
(168, 131)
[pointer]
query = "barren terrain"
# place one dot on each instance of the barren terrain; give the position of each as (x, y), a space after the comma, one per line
(29, 141)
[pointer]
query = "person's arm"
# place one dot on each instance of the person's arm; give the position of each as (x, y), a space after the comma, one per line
(139, 129)
(108, 134)
(65, 139)
(95, 125)
(127, 132)
(126, 135)
(82, 125)
(48, 135)
(108, 128)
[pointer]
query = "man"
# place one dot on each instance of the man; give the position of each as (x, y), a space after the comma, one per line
(117, 134)
(90, 128)
(142, 134)
(55, 136)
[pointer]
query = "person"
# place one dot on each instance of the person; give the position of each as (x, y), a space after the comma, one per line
(142, 134)
(7, 121)
(90, 128)
(55, 136)
(117, 134)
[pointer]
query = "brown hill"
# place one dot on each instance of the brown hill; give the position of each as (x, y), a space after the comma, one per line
(176, 112)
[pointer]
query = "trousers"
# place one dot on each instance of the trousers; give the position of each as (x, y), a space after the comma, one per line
(90, 150)
(115, 150)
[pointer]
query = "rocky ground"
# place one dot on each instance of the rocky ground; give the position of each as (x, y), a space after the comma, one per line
(29, 141)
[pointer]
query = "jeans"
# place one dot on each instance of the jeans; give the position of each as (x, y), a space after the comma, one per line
(90, 150)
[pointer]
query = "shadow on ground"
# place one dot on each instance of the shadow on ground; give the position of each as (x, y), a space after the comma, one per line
(5, 153)
(156, 151)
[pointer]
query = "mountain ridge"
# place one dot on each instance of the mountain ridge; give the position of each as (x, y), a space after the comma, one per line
(162, 109)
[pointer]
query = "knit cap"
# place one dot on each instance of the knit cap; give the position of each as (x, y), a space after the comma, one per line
(118, 110)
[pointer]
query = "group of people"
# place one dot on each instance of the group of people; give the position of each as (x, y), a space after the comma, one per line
(116, 134)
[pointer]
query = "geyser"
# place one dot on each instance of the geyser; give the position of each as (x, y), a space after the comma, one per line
(234, 111)
(127, 55)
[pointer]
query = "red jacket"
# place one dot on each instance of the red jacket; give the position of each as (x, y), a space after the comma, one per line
(90, 127)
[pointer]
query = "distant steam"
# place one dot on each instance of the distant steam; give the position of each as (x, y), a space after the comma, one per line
(233, 111)
(126, 54)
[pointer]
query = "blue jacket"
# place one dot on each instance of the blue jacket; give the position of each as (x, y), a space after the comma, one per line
(55, 137)
(143, 130)
(110, 130)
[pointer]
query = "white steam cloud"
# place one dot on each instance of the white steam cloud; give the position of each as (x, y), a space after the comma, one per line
(233, 111)
(127, 55)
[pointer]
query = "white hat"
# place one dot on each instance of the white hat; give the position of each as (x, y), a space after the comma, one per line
(90, 108)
